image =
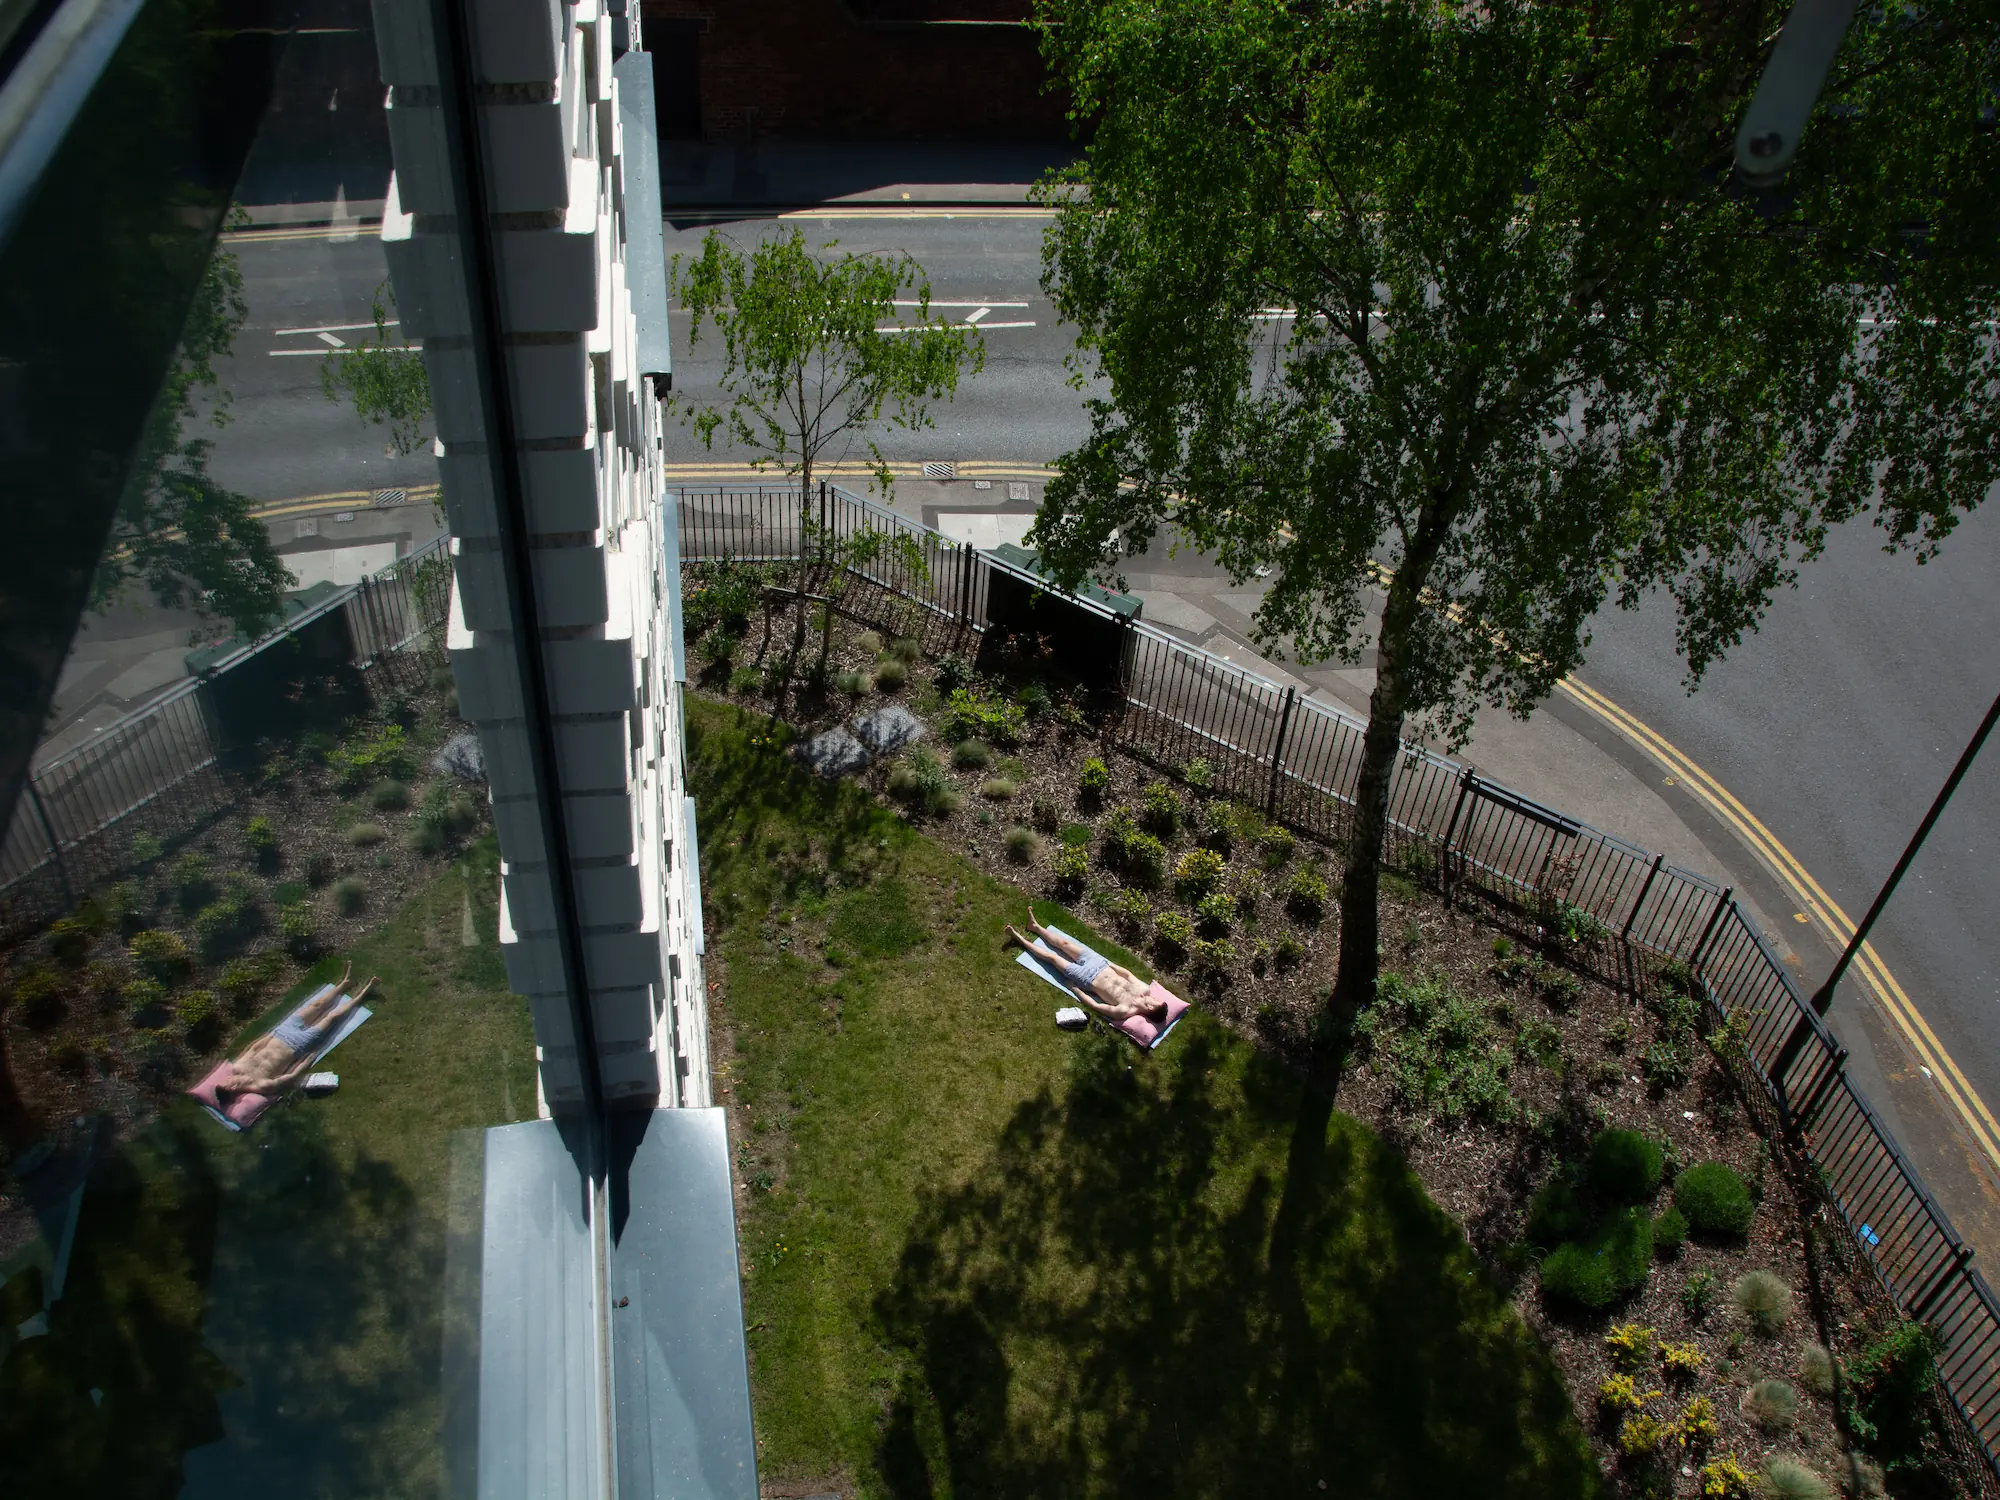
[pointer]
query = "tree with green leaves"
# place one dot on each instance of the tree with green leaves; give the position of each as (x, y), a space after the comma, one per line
(384, 382)
(811, 364)
(1452, 317)
(189, 539)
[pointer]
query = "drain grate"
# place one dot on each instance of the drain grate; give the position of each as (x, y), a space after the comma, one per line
(940, 471)
(386, 498)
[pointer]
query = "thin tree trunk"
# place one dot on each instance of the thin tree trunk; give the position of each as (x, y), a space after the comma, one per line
(1360, 919)
(804, 581)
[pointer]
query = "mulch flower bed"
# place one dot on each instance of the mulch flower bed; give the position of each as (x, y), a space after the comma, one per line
(1551, 1042)
(314, 853)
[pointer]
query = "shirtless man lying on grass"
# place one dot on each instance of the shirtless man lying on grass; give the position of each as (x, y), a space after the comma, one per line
(275, 1061)
(1112, 991)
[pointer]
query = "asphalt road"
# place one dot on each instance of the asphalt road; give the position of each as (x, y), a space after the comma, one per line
(1835, 724)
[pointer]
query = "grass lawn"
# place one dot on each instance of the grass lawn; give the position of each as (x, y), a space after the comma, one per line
(989, 1258)
(262, 1313)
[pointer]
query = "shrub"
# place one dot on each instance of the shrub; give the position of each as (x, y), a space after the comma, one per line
(968, 714)
(953, 672)
(907, 650)
(195, 1011)
(144, 999)
(1034, 700)
(221, 926)
(1094, 780)
(1682, 1361)
(1044, 817)
(999, 789)
(1679, 1016)
(385, 753)
(971, 755)
(158, 955)
(260, 841)
(1021, 844)
(146, 848)
(921, 780)
(1132, 909)
(350, 895)
(241, 985)
(1666, 1066)
(1714, 1199)
(1197, 873)
(1612, 1263)
(1215, 913)
(1199, 774)
(1641, 1435)
(1581, 927)
(40, 993)
(1788, 1478)
(1697, 1427)
(1289, 952)
(102, 979)
(1306, 896)
(1621, 1393)
(319, 869)
(1217, 827)
(1537, 1042)
(869, 643)
(191, 882)
(389, 796)
(1630, 1345)
(1670, 1232)
(1172, 932)
(1816, 1369)
(1213, 957)
(1698, 1295)
(1143, 860)
(365, 835)
(719, 647)
(891, 676)
(1276, 846)
(1764, 1298)
(1889, 1391)
(1771, 1404)
(1436, 1049)
(297, 927)
(1724, 1479)
(122, 907)
(852, 684)
(1624, 1166)
(1617, 1034)
(68, 941)
(1555, 1213)
(1160, 810)
(1560, 990)
(1071, 867)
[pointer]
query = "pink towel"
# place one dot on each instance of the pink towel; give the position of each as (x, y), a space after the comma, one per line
(1143, 1031)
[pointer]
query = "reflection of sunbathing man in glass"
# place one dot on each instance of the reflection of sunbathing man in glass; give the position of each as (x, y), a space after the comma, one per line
(1114, 992)
(275, 1062)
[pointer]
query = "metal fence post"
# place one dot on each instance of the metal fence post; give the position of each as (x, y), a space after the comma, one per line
(1722, 905)
(1278, 752)
(49, 833)
(1960, 1256)
(1458, 807)
(1625, 934)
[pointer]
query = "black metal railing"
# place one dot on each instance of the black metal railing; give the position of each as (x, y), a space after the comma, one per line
(1299, 758)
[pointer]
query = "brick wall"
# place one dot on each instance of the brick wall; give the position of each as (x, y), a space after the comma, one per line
(815, 70)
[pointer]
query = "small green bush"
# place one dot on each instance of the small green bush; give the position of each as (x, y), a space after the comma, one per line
(1289, 952)
(1714, 1199)
(1666, 1066)
(1021, 844)
(195, 1011)
(852, 684)
(1307, 895)
(1197, 873)
(1437, 1050)
(1044, 816)
(1094, 781)
(158, 955)
(1764, 1299)
(68, 942)
(1276, 846)
(891, 676)
(921, 781)
(41, 994)
(1772, 1404)
(1611, 1264)
(241, 985)
(1160, 810)
(146, 848)
(389, 795)
(1215, 913)
(1624, 1166)
(1199, 775)
(969, 714)
(145, 998)
(869, 643)
(1172, 933)
(191, 881)
(1670, 1232)
(1142, 859)
(1888, 1394)
(260, 840)
(319, 869)
(1132, 910)
(1788, 1478)
(999, 789)
(907, 649)
(1698, 1295)
(1560, 990)
(1537, 1042)
(1556, 1213)
(385, 753)
(953, 672)
(1212, 958)
(365, 835)
(1071, 867)
(299, 930)
(124, 908)
(223, 926)
(350, 895)
(1816, 1369)
(971, 755)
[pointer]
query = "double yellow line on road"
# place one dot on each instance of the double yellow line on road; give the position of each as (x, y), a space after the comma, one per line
(1818, 905)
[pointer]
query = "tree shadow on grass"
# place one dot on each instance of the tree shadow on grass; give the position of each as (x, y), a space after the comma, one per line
(1188, 1276)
